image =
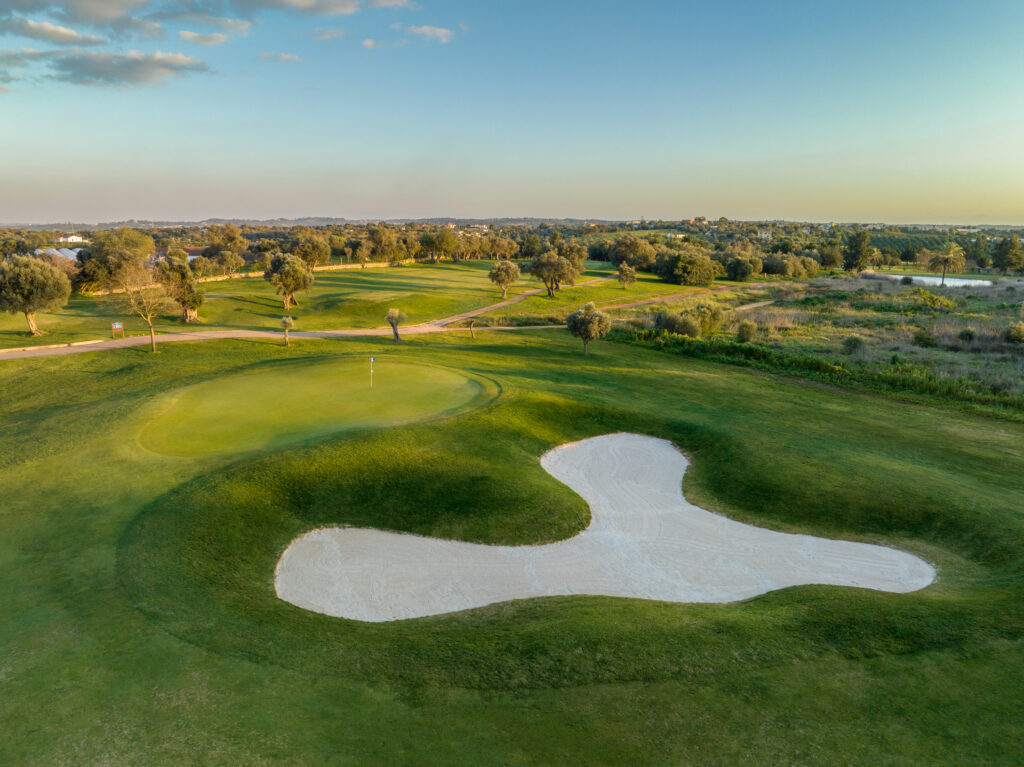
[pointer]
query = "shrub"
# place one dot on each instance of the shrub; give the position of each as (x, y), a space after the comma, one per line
(810, 266)
(924, 338)
(677, 323)
(906, 280)
(967, 334)
(707, 315)
(746, 332)
(687, 269)
(1015, 333)
(739, 270)
(852, 344)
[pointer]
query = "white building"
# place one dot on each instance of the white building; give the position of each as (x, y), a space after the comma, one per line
(71, 238)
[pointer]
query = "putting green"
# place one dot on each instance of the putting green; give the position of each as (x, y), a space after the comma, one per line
(269, 408)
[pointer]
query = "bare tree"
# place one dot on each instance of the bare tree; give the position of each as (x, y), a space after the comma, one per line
(144, 295)
(394, 317)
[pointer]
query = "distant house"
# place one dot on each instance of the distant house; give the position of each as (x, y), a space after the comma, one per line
(764, 234)
(71, 238)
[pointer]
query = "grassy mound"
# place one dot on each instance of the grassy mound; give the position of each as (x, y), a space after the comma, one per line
(285, 404)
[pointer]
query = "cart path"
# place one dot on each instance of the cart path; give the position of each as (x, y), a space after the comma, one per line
(433, 326)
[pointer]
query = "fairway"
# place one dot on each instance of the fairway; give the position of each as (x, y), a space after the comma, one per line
(291, 403)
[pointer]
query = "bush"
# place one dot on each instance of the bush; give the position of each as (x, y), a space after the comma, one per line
(785, 266)
(746, 332)
(967, 334)
(707, 315)
(677, 323)
(924, 338)
(1015, 333)
(687, 269)
(852, 344)
(906, 280)
(739, 270)
(810, 266)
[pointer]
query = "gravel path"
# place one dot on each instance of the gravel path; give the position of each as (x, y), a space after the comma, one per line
(645, 541)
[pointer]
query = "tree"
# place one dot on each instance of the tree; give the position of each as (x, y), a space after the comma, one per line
(28, 285)
(686, 268)
(635, 251)
(230, 261)
(143, 294)
(977, 251)
(588, 324)
(627, 275)
(1008, 254)
(857, 252)
(313, 249)
(949, 260)
(531, 246)
(221, 239)
(503, 274)
(739, 270)
(439, 244)
(287, 323)
(108, 253)
(176, 275)
(289, 274)
(394, 318)
(909, 253)
(552, 269)
(831, 254)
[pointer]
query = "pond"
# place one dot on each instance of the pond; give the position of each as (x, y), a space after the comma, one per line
(922, 279)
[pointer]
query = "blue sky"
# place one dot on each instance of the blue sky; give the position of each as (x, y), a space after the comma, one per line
(186, 109)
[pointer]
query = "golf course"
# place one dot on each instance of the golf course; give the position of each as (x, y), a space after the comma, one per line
(148, 500)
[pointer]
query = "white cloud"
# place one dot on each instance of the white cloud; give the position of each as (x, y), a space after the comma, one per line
(323, 35)
(392, 4)
(212, 38)
(369, 43)
(281, 57)
(133, 68)
(440, 34)
(44, 30)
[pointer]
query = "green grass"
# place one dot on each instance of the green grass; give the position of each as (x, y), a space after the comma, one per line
(356, 298)
(294, 403)
(138, 622)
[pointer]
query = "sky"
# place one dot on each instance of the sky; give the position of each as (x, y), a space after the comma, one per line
(898, 111)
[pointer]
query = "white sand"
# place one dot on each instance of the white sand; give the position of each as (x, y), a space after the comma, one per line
(645, 540)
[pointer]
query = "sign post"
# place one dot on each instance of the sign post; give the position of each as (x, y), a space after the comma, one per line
(115, 328)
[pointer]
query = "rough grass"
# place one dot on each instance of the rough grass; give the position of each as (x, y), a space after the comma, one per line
(138, 622)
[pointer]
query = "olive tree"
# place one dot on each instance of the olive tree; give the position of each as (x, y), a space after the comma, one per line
(287, 323)
(553, 269)
(588, 324)
(143, 295)
(503, 274)
(394, 318)
(289, 274)
(627, 275)
(28, 285)
(175, 274)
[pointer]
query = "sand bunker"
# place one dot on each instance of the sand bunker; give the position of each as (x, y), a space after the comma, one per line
(645, 541)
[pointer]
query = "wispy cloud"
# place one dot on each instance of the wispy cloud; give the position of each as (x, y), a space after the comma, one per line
(370, 43)
(440, 34)
(323, 35)
(133, 68)
(44, 30)
(211, 38)
(392, 4)
(281, 57)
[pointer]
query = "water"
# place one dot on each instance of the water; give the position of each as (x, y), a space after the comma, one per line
(951, 282)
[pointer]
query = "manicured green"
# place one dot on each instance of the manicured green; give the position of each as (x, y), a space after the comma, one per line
(138, 622)
(294, 403)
